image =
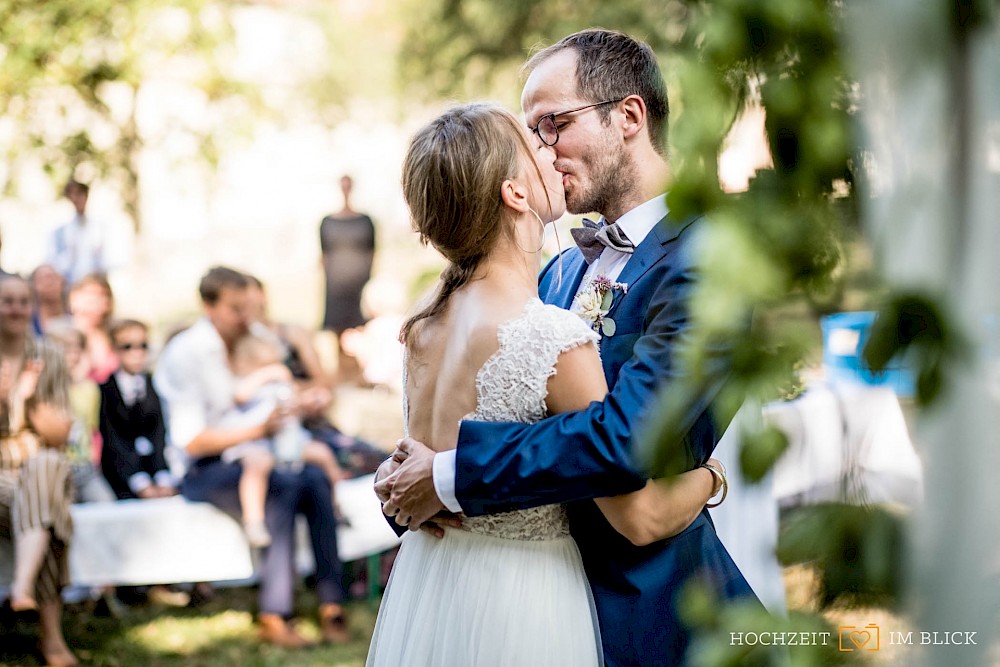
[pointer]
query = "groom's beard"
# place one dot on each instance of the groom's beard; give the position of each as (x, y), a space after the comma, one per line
(613, 178)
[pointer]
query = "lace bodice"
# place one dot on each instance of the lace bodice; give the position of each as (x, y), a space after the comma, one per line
(511, 386)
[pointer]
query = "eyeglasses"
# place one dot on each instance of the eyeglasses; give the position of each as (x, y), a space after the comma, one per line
(126, 347)
(548, 131)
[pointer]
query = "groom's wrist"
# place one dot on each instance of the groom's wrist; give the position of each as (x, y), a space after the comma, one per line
(444, 480)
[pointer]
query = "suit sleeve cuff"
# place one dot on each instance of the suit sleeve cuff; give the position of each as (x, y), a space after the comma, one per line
(444, 479)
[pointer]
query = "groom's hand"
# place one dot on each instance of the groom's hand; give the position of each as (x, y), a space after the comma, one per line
(412, 499)
(387, 467)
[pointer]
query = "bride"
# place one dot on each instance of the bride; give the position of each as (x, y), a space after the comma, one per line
(504, 589)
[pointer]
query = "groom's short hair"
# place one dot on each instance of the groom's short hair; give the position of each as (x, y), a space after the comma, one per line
(611, 65)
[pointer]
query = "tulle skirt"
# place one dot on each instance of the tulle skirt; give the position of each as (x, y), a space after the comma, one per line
(473, 600)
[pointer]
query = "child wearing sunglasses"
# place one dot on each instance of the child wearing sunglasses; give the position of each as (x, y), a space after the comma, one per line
(133, 454)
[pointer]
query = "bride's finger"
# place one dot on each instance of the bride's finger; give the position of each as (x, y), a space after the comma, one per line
(433, 529)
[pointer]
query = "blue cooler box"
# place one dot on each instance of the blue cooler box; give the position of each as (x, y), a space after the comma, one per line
(844, 339)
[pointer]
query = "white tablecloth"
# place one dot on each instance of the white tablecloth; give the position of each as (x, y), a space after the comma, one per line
(171, 540)
(847, 442)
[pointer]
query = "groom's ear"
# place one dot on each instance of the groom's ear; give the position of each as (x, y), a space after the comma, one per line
(514, 195)
(633, 110)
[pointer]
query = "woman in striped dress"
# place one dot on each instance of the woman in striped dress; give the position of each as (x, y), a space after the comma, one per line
(35, 482)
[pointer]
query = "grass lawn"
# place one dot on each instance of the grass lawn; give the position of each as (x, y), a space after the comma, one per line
(219, 632)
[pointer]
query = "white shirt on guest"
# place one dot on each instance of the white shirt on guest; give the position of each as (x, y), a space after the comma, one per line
(77, 248)
(194, 382)
(636, 225)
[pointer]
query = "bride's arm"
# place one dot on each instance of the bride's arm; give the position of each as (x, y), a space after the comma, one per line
(664, 507)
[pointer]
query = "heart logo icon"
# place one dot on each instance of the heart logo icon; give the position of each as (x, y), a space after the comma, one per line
(860, 638)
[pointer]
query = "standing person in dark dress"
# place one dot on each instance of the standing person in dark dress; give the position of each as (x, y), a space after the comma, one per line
(347, 239)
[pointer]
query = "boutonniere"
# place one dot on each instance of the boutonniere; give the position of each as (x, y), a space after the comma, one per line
(593, 303)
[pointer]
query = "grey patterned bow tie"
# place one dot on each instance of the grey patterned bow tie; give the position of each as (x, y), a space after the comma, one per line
(593, 238)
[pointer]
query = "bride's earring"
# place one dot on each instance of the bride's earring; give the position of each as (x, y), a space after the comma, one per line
(559, 255)
(539, 218)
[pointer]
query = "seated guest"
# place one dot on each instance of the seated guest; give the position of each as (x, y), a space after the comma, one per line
(264, 384)
(85, 403)
(195, 379)
(354, 456)
(91, 304)
(49, 290)
(35, 481)
(132, 425)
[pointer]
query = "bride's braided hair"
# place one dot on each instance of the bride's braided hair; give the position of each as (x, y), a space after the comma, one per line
(451, 182)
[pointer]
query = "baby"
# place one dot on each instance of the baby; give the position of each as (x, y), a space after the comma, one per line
(263, 384)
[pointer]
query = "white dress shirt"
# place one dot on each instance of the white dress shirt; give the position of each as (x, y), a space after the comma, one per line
(78, 248)
(636, 225)
(194, 382)
(132, 387)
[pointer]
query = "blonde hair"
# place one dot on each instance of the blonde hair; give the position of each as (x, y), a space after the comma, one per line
(252, 351)
(53, 381)
(452, 175)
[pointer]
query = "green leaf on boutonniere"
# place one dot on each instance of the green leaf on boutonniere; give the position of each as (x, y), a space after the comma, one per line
(606, 300)
(608, 326)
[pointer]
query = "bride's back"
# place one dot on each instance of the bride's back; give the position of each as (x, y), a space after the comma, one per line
(445, 356)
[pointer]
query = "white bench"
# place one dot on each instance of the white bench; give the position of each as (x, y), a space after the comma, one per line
(171, 540)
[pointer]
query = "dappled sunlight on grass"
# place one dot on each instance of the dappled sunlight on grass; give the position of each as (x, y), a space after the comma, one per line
(184, 636)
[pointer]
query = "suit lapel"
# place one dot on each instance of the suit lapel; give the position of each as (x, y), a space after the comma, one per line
(652, 249)
(573, 269)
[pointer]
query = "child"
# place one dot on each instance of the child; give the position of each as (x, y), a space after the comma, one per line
(133, 456)
(263, 384)
(84, 402)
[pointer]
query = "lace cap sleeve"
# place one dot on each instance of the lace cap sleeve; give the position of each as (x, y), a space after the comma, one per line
(512, 386)
(555, 330)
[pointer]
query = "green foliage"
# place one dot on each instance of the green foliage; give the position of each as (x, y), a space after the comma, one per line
(463, 48)
(760, 451)
(859, 551)
(71, 74)
(914, 325)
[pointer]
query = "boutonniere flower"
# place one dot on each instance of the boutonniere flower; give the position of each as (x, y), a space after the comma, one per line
(593, 303)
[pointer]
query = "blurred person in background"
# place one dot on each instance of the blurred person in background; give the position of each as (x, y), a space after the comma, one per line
(36, 486)
(82, 448)
(264, 384)
(195, 380)
(133, 429)
(49, 290)
(77, 248)
(347, 239)
(91, 305)
(355, 456)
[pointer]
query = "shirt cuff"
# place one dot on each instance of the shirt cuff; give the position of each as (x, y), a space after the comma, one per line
(139, 481)
(444, 479)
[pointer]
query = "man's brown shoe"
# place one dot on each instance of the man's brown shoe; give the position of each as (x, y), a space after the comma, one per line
(273, 629)
(333, 624)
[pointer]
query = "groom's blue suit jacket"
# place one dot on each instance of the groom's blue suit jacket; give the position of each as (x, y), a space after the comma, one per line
(574, 457)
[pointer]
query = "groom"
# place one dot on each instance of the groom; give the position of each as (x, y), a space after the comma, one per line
(598, 98)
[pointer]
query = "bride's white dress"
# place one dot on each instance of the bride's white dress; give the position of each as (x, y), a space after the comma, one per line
(506, 589)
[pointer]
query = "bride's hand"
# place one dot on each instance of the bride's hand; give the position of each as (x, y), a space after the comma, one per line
(435, 527)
